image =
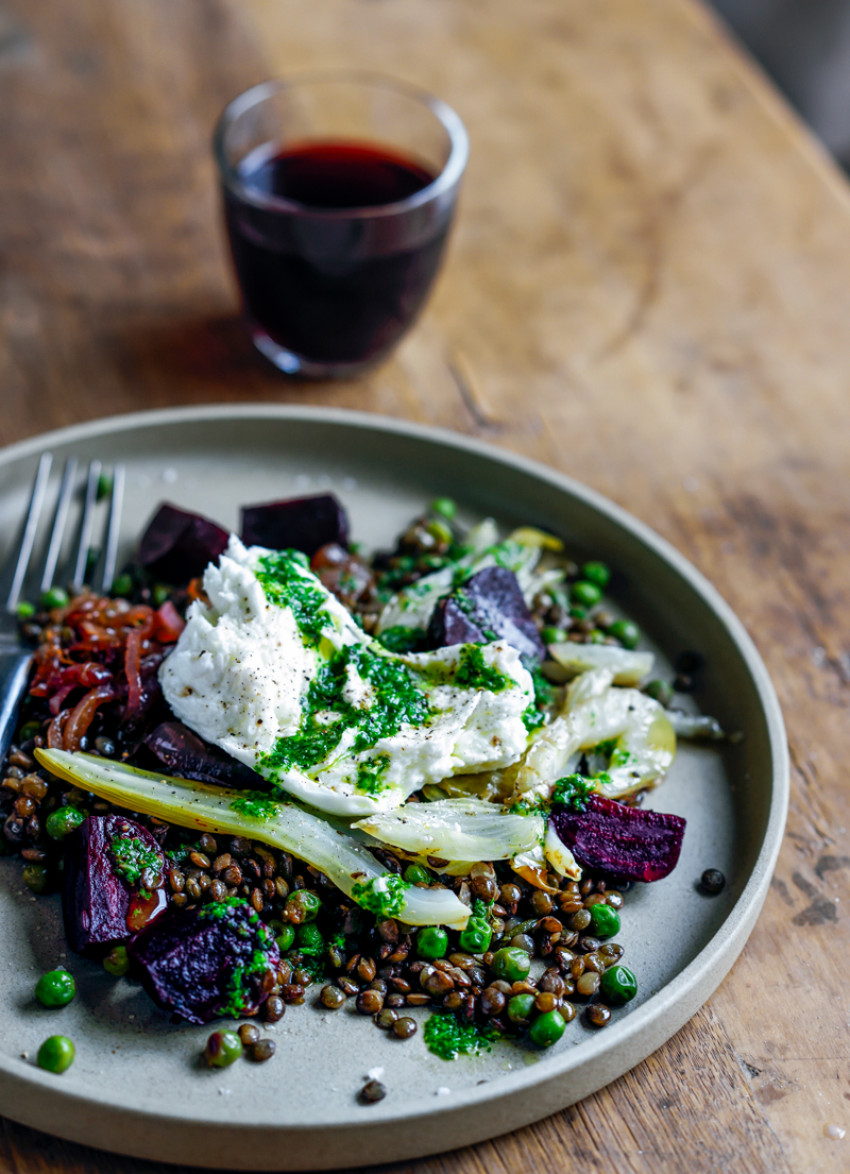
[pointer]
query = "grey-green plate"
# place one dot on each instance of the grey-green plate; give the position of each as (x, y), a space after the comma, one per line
(136, 1085)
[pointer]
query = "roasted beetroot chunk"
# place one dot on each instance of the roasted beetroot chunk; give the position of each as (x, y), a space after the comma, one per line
(183, 753)
(300, 523)
(109, 863)
(202, 964)
(488, 606)
(177, 545)
(626, 843)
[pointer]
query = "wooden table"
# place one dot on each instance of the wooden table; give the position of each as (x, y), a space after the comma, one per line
(648, 288)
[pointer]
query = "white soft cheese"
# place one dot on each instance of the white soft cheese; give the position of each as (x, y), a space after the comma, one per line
(240, 672)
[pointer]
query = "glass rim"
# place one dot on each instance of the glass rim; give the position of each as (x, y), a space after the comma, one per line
(451, 122)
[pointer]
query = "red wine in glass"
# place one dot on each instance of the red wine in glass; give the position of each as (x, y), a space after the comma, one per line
(333, 252)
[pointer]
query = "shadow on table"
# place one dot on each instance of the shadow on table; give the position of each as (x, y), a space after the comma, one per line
(212, 352)
(205, 359)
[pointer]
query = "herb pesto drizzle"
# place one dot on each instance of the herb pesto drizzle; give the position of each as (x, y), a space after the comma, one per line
(280, 573)
(327, 715)
(130, 858)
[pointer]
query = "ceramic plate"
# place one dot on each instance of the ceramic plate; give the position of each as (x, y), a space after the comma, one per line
(136, 1086)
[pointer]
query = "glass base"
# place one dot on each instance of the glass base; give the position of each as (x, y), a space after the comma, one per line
(299, 367)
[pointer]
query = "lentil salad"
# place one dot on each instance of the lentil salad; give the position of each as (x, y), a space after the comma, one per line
(482, 974)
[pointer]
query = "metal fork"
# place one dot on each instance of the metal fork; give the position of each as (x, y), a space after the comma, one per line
(15, 658)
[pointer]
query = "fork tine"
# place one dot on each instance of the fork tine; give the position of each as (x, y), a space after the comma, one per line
(60, 518)
(86, 523)
(113, 524)
(30, 527)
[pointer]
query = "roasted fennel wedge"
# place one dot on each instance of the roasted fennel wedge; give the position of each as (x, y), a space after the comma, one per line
(344, 858)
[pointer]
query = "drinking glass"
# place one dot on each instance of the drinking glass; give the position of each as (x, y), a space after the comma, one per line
(339, 190)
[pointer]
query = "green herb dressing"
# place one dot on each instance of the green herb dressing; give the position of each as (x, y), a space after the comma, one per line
(371, 775)
(239, 995)
(281, 575)
(401, 639)
(448, 1038)
(605, 749)
(384, 896)
(473, 672)
(244, 920)
(130, 858)
(396, 700)
(256, 806)
(532, 718)
(572, 791)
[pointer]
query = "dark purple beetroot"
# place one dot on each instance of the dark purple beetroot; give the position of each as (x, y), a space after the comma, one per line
(183, 753)
(301, 523)
(101, 903)
(626, 843)
(202, 964)
(177, 545)
(488, 606)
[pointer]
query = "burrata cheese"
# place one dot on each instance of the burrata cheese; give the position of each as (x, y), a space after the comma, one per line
(275, 671)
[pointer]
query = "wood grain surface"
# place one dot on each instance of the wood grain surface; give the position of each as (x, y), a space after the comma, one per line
(648, 289)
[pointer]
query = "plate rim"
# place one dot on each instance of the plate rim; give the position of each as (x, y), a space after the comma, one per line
(687, 991)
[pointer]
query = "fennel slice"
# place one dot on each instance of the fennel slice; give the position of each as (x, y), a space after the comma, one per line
(284, 825)
(456, 830)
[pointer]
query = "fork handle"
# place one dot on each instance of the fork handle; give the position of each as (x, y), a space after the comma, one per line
(14, 676)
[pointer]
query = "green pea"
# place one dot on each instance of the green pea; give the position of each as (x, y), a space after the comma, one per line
(55, 989)
(223, 1047)
(432, 942)
(104, 485)
(309, 939)
(29, 730)
(159, 594)
(444, 506)
(284, 935)
(36, 878)
(63, 821)
(596, 572)
(440, 531)
(511, 964)
(415, 874)
(660, 691)
(520, 1008)
(54, 597)
(605, 920)
(627, 632)
(547, 1029)
(56, 1054)
(122, 585)
(25, 610)
(476, 938)
(116, 962)
(303, 906)
(618, 985)
(553, 635)
(596, 637)
(578, 613)
(585, 593)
